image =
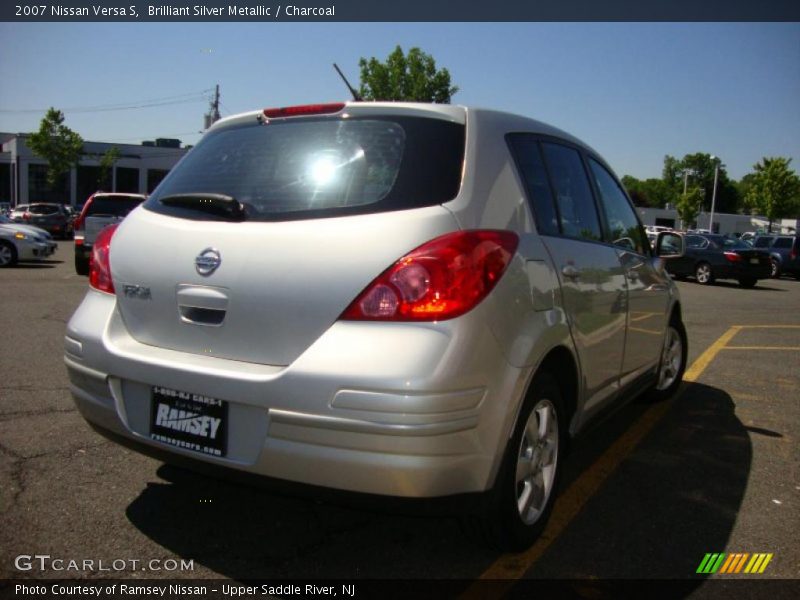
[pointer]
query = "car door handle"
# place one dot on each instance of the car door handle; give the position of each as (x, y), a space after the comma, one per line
(570, 272)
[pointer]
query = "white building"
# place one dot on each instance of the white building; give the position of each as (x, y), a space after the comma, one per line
(723, 222)
(139, 169)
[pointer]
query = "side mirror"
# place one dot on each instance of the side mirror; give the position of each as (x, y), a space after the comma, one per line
(669, 245)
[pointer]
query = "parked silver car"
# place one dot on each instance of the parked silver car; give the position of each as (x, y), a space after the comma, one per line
(23, 242)
(398, 299)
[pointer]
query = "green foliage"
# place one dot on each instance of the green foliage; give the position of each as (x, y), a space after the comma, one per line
(655, 193)
(773, 189)
(104, 180)
(57, 144)
(688, 206)
(408, 78)
(700, 169)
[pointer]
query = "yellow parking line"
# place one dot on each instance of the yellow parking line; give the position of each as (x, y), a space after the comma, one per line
(761, 348)
(699, 365)
(769, 326)
(511, 567)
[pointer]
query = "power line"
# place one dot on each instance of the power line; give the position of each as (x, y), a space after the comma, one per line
(153, 102)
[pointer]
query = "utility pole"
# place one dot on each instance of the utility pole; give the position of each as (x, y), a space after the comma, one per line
(714, 193)
(212, 116)
(215, 106)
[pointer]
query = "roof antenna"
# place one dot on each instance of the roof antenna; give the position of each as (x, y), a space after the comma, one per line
(354, 93)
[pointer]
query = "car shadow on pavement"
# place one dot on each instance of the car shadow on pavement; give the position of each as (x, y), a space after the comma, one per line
(40, 264)
(673, 499)
(761, 286)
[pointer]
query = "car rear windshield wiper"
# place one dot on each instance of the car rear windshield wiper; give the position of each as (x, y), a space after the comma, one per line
(219, 205)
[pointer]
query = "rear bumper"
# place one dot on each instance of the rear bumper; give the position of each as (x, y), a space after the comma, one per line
(418, 412)
(736, 271)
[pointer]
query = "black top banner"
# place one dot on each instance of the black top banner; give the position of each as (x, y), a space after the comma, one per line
(405, 10)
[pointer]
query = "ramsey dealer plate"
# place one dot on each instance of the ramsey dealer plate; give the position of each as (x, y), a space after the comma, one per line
(190, 421)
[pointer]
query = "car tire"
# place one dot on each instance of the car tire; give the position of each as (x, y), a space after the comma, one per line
(672, 365)
(8, 254)
(81, 265)
(704, 274)
(775, 268)
(519, 504)
(748, 282)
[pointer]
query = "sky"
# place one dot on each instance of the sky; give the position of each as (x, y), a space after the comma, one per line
(635, 92)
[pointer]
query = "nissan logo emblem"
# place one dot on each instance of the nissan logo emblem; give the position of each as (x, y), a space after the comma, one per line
(207, 261)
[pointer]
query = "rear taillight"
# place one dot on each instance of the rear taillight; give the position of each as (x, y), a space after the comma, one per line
(99, 265)
(442, 279)
(733, 257)
(304, 110)
(78, 224)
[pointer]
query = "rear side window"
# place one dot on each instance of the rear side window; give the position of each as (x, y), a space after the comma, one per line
(113, 206)
(783, 243)
(623, 225)
(576, 207)
(529, 161)
(310, 168)
(696, 242)
(762, 242)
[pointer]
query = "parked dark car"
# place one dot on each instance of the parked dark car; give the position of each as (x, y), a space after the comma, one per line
(99, 211)
(784, 253)
(53, 218)
(710, 257)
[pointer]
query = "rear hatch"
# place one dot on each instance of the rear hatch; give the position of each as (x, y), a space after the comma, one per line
(106, 210)
(259, 239)
(46, 216)
(754, 257)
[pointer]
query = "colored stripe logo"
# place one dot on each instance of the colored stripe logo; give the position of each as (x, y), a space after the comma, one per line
(736, 562)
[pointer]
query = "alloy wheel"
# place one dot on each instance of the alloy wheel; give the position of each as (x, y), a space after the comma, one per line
(537, 460)
(703, 273)
(671, 359)
(6, 255)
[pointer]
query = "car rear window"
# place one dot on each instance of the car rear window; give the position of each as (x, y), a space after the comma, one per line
(43, 209)
(313, 168)
(115, 206)
(762, 242)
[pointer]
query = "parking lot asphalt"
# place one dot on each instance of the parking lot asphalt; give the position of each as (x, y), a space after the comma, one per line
(646, 494)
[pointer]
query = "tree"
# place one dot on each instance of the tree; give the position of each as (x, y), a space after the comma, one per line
(688, 206)
(408, 78)
(107, 162)
(700, 169)
(655, 193)
(57, 144)
(774, 189)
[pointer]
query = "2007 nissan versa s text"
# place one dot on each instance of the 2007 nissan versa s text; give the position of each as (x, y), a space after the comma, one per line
(398, 299)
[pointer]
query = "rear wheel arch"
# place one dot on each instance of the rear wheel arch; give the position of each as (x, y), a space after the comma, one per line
(676, 312)
(561, 364)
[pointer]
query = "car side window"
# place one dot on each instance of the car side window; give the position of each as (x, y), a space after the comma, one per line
(695, 242)
(623, 225)
(576, 208)
(532, 170)
(782, 243)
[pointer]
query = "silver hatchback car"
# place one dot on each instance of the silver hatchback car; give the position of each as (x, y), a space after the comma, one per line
(397, 299)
